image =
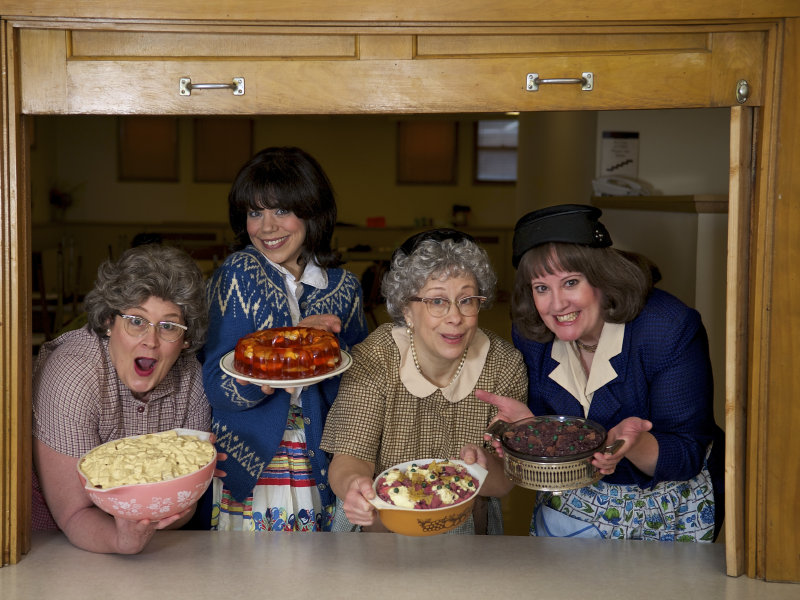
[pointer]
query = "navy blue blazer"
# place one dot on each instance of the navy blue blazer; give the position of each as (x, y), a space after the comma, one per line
(663, 375)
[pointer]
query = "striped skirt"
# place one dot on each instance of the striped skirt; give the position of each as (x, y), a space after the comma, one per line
(285, 497)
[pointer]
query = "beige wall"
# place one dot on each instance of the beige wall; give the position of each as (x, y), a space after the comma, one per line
(681, 151)
(357, 152)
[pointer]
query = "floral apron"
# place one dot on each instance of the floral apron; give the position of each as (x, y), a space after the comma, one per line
(681, 511)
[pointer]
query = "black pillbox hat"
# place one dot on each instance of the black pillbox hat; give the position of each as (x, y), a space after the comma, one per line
(568, 223)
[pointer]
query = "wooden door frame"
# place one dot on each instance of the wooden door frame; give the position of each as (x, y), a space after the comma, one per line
(776, 324)
(757, 240)
(15, 314)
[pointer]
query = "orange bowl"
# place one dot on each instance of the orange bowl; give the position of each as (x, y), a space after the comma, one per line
(157, 500)
(427, 521)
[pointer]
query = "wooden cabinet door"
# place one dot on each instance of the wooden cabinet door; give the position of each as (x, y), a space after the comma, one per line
(344, 71)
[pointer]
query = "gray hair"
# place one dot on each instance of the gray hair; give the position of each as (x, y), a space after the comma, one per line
(149, 271)
(408, 274)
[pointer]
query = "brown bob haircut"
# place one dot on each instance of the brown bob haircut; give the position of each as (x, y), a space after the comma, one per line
(623, 278)
(288, 178)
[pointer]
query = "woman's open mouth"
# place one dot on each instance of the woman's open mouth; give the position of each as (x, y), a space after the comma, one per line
(453, 338)
(144, 366)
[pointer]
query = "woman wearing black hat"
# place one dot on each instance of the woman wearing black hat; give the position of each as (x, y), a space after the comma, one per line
(410, 393)
(602, 343)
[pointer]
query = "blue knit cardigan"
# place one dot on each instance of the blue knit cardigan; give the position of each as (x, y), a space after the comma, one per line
(247, 294)
(663, 375)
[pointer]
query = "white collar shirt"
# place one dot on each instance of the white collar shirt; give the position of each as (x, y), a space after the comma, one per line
(569, 373)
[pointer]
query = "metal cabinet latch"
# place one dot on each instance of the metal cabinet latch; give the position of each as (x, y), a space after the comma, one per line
(586, 81)
(186, 86)
(742, 91)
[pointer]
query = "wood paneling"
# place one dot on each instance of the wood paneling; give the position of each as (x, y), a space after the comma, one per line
(15, 317)
(543, 43)
(739, 193)
(166, 45)
(389, 11)
(762, 252)
(686, 69)
(781, 409)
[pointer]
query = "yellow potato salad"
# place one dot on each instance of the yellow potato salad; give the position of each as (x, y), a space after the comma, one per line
(145, 459)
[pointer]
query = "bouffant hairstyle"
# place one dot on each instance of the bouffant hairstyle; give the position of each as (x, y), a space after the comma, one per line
(290, 179)
(439, 254)
(147, 271)
(624, 280)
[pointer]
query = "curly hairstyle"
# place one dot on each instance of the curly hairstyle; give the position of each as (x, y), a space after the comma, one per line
(147, 271)
(440, 259)
(291, 179)
(623, 278)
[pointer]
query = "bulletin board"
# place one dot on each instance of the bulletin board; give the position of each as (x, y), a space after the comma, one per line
(147, 148)
(427, 152)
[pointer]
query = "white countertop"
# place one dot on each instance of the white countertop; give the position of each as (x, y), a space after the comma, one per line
(201, 564)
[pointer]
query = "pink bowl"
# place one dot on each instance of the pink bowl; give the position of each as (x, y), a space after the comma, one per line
(154, 501)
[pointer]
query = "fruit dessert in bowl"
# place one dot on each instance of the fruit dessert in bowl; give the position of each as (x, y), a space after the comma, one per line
(427, 496)
(551, 453)
(151, 476)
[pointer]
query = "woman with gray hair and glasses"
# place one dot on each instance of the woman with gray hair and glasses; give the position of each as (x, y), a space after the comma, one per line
(132, 370)
(410, 393)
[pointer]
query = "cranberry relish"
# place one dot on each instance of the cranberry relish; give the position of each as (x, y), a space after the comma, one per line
(550, 437)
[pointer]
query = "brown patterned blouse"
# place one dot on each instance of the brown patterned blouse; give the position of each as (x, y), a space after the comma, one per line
(387, 413)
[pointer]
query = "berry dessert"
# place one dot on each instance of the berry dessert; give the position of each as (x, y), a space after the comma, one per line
(287, 353)
(423, 486)
(552, 437)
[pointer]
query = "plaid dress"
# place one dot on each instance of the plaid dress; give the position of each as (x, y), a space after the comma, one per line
(387, 413)
(79, 402)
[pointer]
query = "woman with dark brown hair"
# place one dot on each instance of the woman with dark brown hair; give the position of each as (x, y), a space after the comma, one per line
(282, 210)
(601, 342)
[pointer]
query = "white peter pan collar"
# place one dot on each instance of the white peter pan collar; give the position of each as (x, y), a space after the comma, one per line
(420, 387)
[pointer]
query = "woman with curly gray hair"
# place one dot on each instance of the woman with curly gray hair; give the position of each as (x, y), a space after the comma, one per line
(151, 270)
(411, 390)
(132, 370)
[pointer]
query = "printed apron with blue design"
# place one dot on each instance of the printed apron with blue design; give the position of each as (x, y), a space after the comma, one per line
(680, 511)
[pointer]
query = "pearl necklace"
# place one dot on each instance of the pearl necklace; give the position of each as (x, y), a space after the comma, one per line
(416, 360)
(592, 349)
